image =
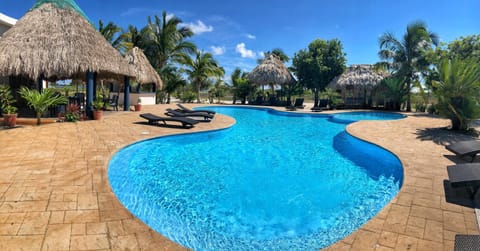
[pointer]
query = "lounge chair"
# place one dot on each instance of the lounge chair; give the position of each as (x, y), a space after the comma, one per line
(465, 148)
(465, 242)
(322, 105)
(465, 175)
(114, 102)
(187, 110)
(205, 116)
(297, 105)
(154, 119)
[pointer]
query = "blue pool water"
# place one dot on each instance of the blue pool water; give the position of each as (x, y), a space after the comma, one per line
(273, 181)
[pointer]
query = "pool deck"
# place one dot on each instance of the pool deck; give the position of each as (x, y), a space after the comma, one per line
(55, 194)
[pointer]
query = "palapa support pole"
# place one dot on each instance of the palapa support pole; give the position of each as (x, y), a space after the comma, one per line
(94, 85)
(40, 83)
(90, 85)
(126, 94)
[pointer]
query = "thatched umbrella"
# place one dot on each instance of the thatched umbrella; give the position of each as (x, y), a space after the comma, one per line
(361, 76)
(271, 71)
(144, 72)
(358, 78)
(54, 40)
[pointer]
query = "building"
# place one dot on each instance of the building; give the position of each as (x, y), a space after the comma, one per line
(6, 23)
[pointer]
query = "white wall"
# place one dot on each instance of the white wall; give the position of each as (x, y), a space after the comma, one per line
(146, 98)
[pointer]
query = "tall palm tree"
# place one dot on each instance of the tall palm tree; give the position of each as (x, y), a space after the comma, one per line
(236, 78)
(172, 80)
(200, 69)
(406, 57)
(111, 33)
(166, 41)
(134, 38)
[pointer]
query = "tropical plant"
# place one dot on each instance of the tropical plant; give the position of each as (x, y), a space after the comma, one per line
(237, 80)
(277, 52)
(395, 92)
(73, 113)
(200, 69)
(111, 32)
(7, 100)
(165, 41)
(40, 101)
(172, 80)
(316, 66)
(457, 91)
(98, 103)
(134, 38)
(334, 98)
(407, 57)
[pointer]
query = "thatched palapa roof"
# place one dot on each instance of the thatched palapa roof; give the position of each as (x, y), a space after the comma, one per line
(271, 71)
(54, 40)
(144, 72)
(359, 75)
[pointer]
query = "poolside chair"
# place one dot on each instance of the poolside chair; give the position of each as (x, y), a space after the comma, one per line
(114, 102)
(465, 148)
(187, 110)
(464, 242)
(174, 113)
(322, 105)
(465, 175)
(154, 119)
(299, 103)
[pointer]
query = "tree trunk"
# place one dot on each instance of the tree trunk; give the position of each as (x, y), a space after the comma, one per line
(198, 93)
(168, 98)
(315, 103)
(409, 85)
(39, 115)
(234, 98)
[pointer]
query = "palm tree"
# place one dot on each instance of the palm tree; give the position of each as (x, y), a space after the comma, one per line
(40, 101)
(406, 57)
(166, 41)
(277, 52)
(110, 33)
(200, 69)
(134, 38)
(456, 90)
(236, 78)
(172, 80)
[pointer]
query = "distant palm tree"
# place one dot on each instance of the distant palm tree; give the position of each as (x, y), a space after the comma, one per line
(134, 38)
(277, 52)
(200, 69)
(166, 41)
(406, 57)
(111, 33)
(172, 80)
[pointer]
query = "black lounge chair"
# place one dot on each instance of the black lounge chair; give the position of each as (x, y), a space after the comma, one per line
(465, 148)
(322, 105)
(297, 105)
(187, 110)
(174, 113)
(465, 175)
(465, 242)
(154, 119)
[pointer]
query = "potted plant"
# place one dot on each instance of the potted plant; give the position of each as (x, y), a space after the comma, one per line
(138, 106)
(8, 109)
(40, 101)
(98, 108)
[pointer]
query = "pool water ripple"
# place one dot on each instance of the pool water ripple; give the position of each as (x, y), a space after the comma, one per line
(271, 182)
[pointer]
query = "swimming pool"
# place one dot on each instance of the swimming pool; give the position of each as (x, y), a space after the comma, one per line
(274, 181)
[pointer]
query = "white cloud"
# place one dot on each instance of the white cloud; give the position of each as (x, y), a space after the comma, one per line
(170, 16)
(261, 54)
(199, 27)
(244, 51)
(218, 50)
(250, 36)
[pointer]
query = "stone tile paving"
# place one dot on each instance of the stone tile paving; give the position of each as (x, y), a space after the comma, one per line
(55, 195)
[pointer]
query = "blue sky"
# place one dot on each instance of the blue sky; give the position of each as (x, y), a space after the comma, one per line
(238, 32)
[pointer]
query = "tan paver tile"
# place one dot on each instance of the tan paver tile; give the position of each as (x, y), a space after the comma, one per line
(115, 228)
(83, 216)
(365, 240)
(57, 237)
(406, 243)
(87, 201)
(125, 242)
(89, 242)
(35, 223)
(429, 245)
(23, 206)
(454, 221)
(9, 228)
(57, 217)
(388, 239)
(427, 213)
(15, 243)
(79, 229)
(97, 228)
(433, 231)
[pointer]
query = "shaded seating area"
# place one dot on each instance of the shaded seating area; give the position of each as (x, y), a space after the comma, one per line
(174, 113)
(462, 149)
(154, 120)
(184, 109)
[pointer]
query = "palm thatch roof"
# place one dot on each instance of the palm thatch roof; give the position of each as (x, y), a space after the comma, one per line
(55, 41)
(271, 71)
(144, 72)
(358, 76)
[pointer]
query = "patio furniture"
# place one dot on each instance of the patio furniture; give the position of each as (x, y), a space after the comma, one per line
(205, 116)
(114, 102)
(465, 242)
(465, 148)
(187, 110)
(322, 105)
(465, 175)
(154, 119)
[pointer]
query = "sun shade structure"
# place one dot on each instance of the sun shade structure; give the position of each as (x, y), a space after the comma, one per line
(55, 40)
(143, 70)
(360, 75)
(271, 71)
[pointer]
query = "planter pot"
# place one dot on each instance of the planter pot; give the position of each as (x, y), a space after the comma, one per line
(97, 115)
(138, 107)
(10, 120)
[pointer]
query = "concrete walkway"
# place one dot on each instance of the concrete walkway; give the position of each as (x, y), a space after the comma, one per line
(55, 194)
